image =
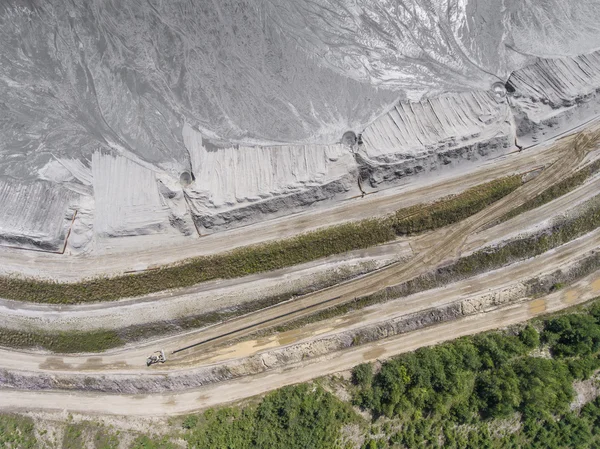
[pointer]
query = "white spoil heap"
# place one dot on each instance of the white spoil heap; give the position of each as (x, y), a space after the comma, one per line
(170, 119)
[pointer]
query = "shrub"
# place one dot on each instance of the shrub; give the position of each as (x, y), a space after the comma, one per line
(530, 337)
(302, 417)
(362, 375)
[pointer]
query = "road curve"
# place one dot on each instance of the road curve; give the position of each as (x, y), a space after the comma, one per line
(230, 391)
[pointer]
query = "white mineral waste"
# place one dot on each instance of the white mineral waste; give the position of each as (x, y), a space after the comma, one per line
(127, 198)
(169, 118)
(556, 94)
(34, 214)
(443, 122)
(256, 178)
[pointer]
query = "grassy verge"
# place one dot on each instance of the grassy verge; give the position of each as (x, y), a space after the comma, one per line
(17, 431)
(268, 256)
(472, 265)
(63, 342)
(453, 209)
(554, 192)
(477, 263)
(101, 340)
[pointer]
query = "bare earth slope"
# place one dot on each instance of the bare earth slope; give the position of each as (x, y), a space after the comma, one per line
(230, 112)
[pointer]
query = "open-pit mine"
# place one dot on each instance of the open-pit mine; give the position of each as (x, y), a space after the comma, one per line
(203, 201)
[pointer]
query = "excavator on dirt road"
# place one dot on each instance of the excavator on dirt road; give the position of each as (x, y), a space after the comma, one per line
(157, 357)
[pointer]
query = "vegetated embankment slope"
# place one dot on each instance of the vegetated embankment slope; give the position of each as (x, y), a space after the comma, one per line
(268, 256)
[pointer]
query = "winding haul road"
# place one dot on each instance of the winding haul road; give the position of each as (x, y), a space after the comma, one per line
(440, 246)
(229, 391)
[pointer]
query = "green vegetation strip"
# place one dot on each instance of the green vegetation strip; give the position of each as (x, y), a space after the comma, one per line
(101, 340)
(497, 390)
(268, 256)
(61, 342)
(556, 191)
(477, 263)
(17, 432)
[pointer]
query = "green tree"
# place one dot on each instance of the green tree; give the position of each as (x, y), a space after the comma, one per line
(226, 428)
(530, 337)
(362, 375)
(300, 417)
(546, 386)
(498, 391)
(572, 335)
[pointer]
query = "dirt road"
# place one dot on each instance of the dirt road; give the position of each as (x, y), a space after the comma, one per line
(130, 360)
(443, 244)
(178, 403)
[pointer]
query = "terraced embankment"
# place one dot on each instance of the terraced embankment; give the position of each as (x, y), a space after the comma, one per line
(54, 329)
(123, 369)
(222, 392)
(515, 283)
(73, 269)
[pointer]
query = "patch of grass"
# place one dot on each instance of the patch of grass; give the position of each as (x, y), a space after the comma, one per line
(452, 209)
(105, 439)
(62, 342)
(154, 442)
(73, 437)
(266, 257)
(16, 432)
(145, 331)
(555, 191)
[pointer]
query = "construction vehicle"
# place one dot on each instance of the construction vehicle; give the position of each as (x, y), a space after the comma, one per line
(157, 357)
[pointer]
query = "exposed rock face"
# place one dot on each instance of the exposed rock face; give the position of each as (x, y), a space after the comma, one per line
(554, 95)
(415, 137)
(268, 88)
